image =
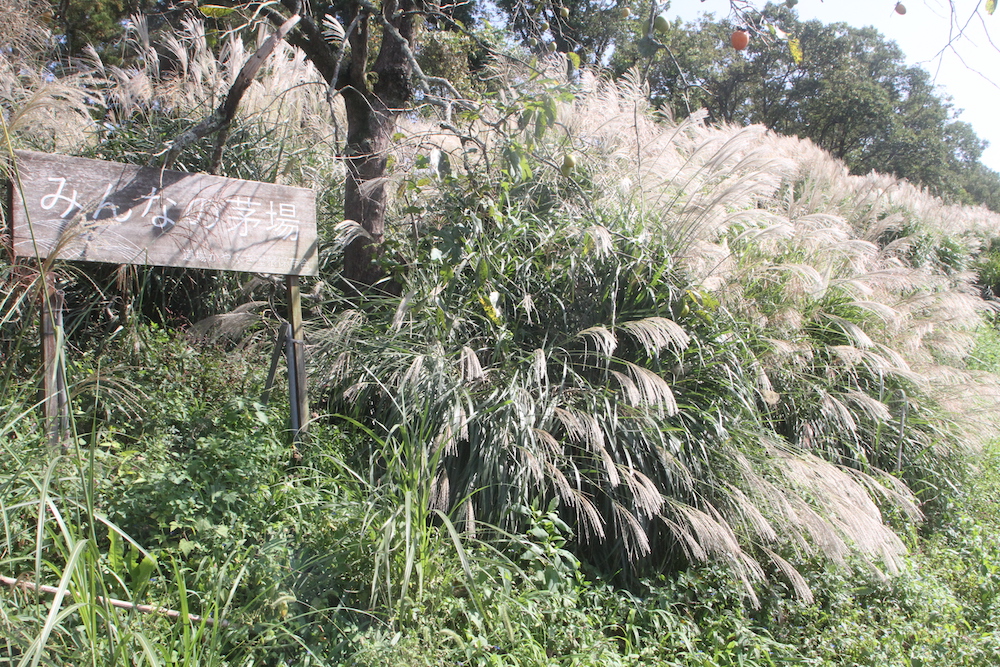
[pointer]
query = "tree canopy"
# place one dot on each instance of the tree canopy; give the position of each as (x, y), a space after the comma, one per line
(852, 93)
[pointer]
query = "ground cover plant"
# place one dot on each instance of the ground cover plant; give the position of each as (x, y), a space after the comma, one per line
(695, 396)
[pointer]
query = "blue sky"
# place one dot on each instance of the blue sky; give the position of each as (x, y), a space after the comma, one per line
(968, 71)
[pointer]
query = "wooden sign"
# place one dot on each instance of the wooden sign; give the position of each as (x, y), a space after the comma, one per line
(81, 209)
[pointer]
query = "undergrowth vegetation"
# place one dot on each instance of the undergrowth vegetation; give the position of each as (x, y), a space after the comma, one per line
(696, 397)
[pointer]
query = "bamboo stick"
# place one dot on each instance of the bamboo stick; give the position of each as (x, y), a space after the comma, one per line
(121, 604)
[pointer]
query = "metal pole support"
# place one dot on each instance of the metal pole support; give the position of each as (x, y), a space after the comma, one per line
(296, 360)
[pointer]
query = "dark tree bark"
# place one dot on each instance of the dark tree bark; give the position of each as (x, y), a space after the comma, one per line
(371, 122)
(374, 96)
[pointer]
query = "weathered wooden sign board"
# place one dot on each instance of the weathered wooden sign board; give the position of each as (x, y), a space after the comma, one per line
(80, 209)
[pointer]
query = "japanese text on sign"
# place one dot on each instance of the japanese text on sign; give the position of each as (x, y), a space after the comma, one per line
(108, 212)
(239, 213)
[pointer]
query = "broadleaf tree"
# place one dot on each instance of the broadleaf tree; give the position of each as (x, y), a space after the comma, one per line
(373, 66)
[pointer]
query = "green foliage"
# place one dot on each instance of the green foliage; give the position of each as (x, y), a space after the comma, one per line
(591, 29)
(96, 22)
(191, 504)
(987, 267)
(558, 401)
(985, 356)
(452, 56)
(286, 553)
(941, 610)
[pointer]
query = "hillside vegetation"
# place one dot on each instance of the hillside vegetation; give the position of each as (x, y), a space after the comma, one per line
(635, 391)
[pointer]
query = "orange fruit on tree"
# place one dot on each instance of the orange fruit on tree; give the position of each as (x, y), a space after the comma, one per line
(739, 39)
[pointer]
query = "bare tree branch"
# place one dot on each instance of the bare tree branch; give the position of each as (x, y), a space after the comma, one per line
(404, 45)
(220, 119)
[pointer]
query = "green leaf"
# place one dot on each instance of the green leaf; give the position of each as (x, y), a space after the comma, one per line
(482, 271)
(141, 571)
(538, 533)
(795, 48)
(551, 110)
(526, 171)
(991, 6)
(186, 546)
(525, 119)
(216, 11)
(115, 560)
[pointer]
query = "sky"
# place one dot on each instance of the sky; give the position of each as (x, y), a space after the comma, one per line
(968, 72)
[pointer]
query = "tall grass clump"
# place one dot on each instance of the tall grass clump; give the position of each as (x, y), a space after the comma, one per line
(190, 504)
(666, 341)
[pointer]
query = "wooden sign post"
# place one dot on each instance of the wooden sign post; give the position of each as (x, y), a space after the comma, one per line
(93, 210)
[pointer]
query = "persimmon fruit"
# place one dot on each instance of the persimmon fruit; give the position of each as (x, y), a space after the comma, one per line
(739, 39)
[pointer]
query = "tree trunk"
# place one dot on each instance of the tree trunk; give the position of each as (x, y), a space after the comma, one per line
(369, 131)
(371, 123)
(374, 96)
